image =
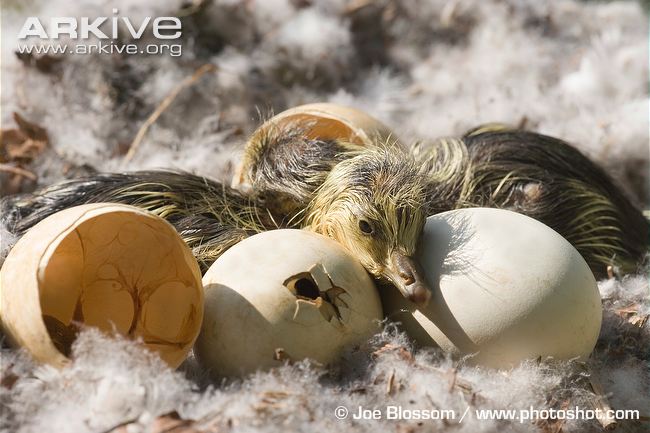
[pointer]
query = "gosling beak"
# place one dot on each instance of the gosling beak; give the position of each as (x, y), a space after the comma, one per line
(405, 273)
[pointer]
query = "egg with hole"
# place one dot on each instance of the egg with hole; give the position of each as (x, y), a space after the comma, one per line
(505, 288)
(110, 266)
(284, 295)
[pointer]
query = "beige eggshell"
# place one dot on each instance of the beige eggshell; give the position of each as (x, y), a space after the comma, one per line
(111, 266)
(284, 294)
(326, 121)
(505, 288)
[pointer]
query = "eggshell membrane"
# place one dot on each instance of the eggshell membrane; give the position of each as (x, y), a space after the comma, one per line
(505, 288)
(114, 267)
(251, 311)
(325, 121)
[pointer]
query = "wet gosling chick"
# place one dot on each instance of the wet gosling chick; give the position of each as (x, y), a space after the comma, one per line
(374, 204)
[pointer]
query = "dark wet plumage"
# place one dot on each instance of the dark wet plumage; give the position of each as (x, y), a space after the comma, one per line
(284, 165)
(292, 177)
(567, 192)
(549, 180)
(210, 216)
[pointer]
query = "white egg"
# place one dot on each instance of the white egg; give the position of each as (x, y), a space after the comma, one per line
(505, 288)
(284, 294)
(114, 267)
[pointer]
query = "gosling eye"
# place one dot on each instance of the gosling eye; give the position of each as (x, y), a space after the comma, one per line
(366, 227)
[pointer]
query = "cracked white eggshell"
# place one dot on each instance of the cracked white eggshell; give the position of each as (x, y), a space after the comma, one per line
(325, 121)
(251, 314)
(505, 288)
(111, 266)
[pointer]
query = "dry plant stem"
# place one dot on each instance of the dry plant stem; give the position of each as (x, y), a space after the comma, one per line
(163, 106)
(18, 171)
(602, 403)
(391, 383)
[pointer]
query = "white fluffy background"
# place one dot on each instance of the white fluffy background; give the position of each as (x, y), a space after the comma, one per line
(577, 70)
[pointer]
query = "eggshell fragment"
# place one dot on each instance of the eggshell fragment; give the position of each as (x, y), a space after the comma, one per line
(284, 294)
(111, 266)
(323, 121)
(505, 288)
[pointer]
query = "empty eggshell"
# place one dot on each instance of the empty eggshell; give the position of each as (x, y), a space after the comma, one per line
(111, 266)
(505, 288)
(324, 121)
(284, 294)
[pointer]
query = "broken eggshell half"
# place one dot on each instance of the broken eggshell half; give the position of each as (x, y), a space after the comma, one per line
(114, 267)
(322, 121)
(505, 288)
(284, 295)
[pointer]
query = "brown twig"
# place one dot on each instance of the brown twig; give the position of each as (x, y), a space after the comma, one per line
(18, 171)
(391, 383)
(164, 105)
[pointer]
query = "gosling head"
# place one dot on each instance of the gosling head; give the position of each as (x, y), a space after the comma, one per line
(374, 205)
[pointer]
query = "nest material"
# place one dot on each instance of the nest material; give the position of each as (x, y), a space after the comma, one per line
(113, 384)
(572, 69)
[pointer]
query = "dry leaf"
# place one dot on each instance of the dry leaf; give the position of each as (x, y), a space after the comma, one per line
(632, 315)
(18, 148)
(168, 423)
(44, 63)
